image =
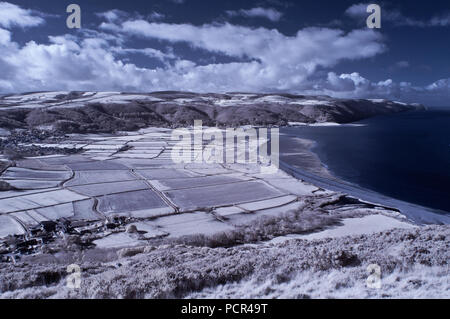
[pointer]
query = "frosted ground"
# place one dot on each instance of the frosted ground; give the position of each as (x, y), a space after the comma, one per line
(133, 176)
(280, 237)
(413, 262)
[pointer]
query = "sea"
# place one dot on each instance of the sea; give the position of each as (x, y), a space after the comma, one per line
(405, 156)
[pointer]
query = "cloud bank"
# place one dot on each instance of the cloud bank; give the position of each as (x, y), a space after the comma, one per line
(262, 60)
(258, 12)
(13, 15)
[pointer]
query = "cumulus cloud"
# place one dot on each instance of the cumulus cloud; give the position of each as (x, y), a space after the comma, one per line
(354, 85)
(441, 85)
(259, 12)
(5, 37)
(278, 62)
(261, 60)
(274, 62)
(396, 17)
(12, 15)
(357, 10)
(312, 45)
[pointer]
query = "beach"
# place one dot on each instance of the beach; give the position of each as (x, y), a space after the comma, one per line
(304, 164)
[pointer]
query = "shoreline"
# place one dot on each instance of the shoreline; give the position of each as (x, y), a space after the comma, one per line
(320, 176)
(204, 214)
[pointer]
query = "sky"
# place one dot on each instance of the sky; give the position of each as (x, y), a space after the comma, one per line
(320, 47)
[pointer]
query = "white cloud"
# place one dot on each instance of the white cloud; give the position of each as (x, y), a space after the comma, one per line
(357, 10)
(150, 52)
(264, 60)
(113, 15)
(154, 16)
(441, 85)
(117, 16)
(402, 64)
(259, 12)
(92, 59)
(5, 37)
(442, 20)
(353, 85)
(13, 15)
(279, 62)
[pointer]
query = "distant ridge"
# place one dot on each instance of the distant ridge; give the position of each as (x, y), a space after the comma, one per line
(97, 112)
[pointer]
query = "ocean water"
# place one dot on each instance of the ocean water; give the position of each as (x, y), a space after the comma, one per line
(405, 156)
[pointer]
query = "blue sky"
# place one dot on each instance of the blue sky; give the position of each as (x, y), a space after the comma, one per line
(308, 47)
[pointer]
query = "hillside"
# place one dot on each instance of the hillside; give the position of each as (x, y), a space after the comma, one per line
(104, 112)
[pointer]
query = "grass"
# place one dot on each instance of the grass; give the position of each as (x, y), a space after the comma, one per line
(264, 228)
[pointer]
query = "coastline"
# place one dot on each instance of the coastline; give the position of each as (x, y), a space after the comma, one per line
(122, 209)
(308, 167)
(229, 216)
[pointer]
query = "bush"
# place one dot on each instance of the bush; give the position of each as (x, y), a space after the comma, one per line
(264, 228)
